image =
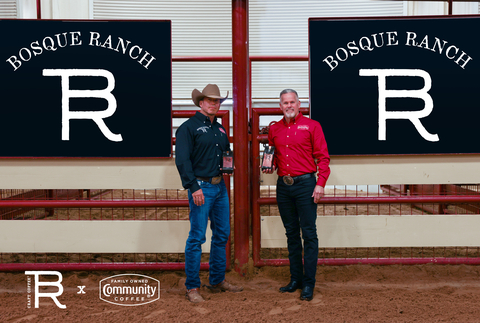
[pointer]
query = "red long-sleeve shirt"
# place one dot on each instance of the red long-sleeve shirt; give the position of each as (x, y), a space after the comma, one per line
(300, 148)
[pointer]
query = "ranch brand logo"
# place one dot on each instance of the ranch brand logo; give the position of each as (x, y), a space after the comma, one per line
(44, 288)
(86, 88)
(396, 85)
(129, 289)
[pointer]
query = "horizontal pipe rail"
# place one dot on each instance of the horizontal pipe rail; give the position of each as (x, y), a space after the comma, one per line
(97, 266)
(263, 262)
(262, 201)
(386, 200)
(379, 261)
(202, 59)
(229, 58)
(191, 113)
(278, 58)
(94, 204)
(223, 114)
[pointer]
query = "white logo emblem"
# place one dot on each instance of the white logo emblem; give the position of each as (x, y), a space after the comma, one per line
(303, 127)
(129, 289)
(204, 129)
(39, 283)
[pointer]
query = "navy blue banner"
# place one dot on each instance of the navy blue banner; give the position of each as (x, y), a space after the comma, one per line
(396, 85)
(85, 88)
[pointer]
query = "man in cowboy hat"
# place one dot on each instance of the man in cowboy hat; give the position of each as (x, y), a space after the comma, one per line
(200, 143)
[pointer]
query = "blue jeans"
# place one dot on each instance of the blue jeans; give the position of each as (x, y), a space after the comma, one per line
(299, 212)
(217, 208)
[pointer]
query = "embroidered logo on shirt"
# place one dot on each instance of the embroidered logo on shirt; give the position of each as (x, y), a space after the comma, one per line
(221, 129)
(303, 127)
(204, 129)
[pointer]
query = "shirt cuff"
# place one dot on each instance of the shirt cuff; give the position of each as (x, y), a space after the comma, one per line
(321, 181)
(195, 187)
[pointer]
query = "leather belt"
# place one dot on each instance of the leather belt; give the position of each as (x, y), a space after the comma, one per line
(212, 180)
(289, 180)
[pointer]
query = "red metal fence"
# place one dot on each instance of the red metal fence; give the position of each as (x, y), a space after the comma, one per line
(139, 205)
(99, 205)
(394, 200)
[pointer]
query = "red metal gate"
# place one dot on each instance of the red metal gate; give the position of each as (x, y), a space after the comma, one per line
(105, 205)
(390, 200)
(246, 199)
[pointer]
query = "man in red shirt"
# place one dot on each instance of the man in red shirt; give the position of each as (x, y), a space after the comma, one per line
(300, 151)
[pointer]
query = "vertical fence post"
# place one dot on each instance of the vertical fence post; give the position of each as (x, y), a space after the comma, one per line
(39, 10)
(240, 82)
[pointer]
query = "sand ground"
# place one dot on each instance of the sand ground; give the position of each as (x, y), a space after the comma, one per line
(359, 293)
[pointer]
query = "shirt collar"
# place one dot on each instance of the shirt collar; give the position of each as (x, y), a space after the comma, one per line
(200, 116)
(294, 121)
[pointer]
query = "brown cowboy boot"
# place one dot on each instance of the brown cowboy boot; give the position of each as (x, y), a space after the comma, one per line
(194, 296)
(225, 286)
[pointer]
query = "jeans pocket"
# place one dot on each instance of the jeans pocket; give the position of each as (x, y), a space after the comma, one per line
(203, 184)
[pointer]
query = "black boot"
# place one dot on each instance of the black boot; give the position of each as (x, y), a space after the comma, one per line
(307, 293)
(291, 287)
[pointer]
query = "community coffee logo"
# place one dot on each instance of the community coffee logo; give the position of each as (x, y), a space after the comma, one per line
(129, 289)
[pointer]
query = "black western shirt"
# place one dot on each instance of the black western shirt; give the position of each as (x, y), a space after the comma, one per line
(199, 149)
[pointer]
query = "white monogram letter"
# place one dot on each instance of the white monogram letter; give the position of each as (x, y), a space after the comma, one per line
(383, 94)
(96, 116)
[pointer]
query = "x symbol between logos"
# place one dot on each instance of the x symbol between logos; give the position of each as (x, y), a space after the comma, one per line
(81, 291)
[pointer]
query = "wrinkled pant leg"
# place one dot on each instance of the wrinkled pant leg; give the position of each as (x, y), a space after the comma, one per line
(220, 225)
(196, 237)
(291, 222)
(307, 211)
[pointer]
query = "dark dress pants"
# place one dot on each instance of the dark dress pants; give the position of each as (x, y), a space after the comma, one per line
(299, 212)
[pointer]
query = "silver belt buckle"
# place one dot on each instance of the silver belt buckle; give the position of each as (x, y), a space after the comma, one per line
(288, 180)
(216, 180)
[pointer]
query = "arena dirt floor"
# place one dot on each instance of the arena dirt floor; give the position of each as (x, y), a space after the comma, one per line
(359, 293)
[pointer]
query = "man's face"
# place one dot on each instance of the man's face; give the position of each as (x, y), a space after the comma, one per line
(209, 106)
(290, 105)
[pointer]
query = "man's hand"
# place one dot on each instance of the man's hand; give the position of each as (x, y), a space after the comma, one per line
(223, 173)
(268, 171)
(318, 193)
(198, 197)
